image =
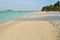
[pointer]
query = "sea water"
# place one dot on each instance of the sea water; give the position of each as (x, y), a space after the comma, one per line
(6, 16)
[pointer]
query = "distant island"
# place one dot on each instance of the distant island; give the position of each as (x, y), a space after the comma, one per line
(54, 7)
(8, 10)
(18, 11)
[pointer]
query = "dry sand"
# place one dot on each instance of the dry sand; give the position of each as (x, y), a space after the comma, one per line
(28, 30)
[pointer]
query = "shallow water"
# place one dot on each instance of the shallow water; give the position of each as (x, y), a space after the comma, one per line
(8, 16)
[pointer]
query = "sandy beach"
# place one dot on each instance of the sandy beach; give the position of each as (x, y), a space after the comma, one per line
(29, 30)
(41, 14)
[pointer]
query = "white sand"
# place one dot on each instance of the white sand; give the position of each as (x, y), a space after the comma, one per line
(28, 30)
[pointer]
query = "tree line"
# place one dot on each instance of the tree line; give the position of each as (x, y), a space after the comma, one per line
(54, 7)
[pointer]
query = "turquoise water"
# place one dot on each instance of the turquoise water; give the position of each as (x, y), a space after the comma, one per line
(7, 16)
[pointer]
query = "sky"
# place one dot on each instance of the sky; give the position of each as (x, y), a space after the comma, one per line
(24, 5)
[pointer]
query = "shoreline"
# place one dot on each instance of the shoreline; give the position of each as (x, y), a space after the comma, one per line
(30, 30)
(32, 15)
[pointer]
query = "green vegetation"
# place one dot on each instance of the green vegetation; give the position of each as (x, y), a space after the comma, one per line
(55, 7)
